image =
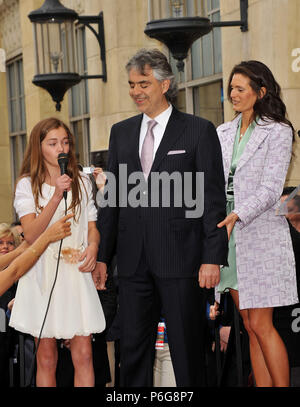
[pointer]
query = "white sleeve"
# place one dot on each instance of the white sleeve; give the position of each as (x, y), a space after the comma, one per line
(24, 200)
(91, 208)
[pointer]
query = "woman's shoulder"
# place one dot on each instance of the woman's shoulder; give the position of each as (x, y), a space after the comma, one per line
(232, 124)
(275, 129)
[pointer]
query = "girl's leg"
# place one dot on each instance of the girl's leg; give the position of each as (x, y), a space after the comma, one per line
(259, 367)
(46, 362)
(82, 357)
(271, 344)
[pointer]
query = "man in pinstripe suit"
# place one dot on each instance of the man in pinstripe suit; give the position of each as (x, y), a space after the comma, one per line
(163, 255)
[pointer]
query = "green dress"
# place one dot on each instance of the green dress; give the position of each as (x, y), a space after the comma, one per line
(228, 277)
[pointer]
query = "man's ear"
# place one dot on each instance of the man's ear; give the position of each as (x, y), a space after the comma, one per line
(165, 85)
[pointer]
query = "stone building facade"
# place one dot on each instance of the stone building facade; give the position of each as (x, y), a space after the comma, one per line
(93, 106)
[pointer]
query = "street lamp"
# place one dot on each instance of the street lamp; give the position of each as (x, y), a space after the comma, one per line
(179, 33)
(55, 48)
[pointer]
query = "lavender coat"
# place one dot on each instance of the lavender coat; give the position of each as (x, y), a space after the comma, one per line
(264, 254)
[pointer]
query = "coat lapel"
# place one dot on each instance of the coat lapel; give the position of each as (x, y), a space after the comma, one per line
(174, 130)
(260, 132)
(227, 135)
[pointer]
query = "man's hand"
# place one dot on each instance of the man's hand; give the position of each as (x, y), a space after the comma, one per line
(209, 275)
(100, 276)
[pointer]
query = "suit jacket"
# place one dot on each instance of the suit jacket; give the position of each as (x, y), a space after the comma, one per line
(174, 245)
(264, 253)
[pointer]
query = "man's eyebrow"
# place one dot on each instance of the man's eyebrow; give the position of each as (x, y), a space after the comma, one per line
(144, 81)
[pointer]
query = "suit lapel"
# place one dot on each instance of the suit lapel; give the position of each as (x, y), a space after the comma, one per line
(134, 140)
(174, 130)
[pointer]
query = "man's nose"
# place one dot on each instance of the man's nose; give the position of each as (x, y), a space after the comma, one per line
(135, 90)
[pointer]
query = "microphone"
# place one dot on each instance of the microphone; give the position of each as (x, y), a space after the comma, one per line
(63, 160)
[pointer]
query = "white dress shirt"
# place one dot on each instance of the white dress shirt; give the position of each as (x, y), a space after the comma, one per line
(158, 130)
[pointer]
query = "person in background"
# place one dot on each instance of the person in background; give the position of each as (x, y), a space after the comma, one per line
(9, 241)
(14, 263)
(257, 147)
(163, 369)
(286, 319)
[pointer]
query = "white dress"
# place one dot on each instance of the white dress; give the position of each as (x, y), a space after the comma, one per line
(75, 308)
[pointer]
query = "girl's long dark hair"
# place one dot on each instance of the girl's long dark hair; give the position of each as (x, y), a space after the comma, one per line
(270, 106)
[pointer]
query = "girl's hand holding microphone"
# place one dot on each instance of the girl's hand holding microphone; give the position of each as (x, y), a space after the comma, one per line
(63, 183)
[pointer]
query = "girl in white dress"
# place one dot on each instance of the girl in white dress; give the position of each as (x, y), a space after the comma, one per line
(75, 310)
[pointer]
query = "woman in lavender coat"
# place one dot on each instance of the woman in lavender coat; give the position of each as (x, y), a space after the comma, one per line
(256, 148)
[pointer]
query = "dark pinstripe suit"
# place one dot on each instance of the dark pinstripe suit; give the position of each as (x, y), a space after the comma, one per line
(159, 251)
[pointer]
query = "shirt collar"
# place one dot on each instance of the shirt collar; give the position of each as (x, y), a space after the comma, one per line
(162, 118)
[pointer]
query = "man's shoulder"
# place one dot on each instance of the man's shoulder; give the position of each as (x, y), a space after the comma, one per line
(193, 119)
(130, 121)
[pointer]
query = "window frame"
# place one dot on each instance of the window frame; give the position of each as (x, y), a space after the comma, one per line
(17, 134)
(81, 114)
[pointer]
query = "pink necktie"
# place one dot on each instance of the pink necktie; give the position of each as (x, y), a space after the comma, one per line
(147, 149)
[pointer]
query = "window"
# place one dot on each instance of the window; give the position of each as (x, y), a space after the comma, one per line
(16, 110)
(79, 104)
(200, 85)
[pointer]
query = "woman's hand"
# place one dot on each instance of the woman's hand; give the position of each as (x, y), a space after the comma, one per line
(63, 183)
(213, 311)
(229, 222)
(11, 304)
(90, 256)
(59, 230)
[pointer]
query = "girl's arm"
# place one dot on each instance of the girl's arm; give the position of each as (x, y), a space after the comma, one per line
(26, 260)
(34, 225)
(90, 253)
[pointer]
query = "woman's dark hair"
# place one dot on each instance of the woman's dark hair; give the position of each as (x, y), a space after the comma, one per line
(270, 106)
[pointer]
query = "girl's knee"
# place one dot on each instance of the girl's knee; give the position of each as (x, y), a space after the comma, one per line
(47, 359)
(82, 355)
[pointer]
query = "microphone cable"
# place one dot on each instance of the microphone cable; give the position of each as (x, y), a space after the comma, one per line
(31, 370)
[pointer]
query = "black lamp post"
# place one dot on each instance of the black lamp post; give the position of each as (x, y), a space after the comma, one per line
(179, 33)
(55, 48)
